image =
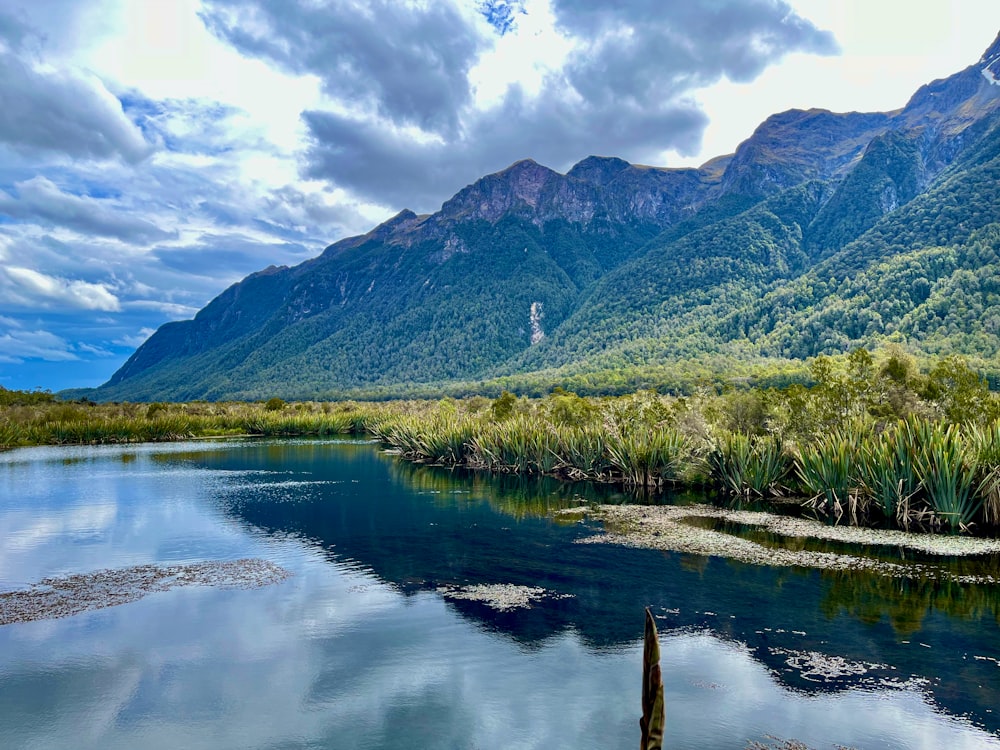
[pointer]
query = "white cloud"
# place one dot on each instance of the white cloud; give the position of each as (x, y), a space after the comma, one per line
(63, 111)
(173, 309)
(41, 200)
(135, 340)
(39, 288)
(16, 345)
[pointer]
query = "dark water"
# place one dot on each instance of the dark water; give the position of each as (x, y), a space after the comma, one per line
(361, 648)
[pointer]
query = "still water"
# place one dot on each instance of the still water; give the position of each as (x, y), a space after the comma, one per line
(367, 645)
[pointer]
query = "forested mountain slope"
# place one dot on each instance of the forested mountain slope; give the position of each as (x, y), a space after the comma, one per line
(822, 232)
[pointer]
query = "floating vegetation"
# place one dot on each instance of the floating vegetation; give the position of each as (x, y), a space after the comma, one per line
(669, 528)
(503, 597)
(65, 596)
(816, 667)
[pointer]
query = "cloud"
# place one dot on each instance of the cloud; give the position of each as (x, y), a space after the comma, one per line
(134, 341)
(643, 49)
(17, 345)
(625, 87)
(33, 287)
(64, 112)
(381, 164)
(51, 105)
(41, 200)
(195, 127)
(407, 62)
(228, 256)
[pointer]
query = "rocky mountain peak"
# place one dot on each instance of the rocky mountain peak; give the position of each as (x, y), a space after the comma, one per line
(598, 170)
(990, 62)
(489, 198)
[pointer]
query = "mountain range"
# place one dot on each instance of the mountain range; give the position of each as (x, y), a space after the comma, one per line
(822, 232)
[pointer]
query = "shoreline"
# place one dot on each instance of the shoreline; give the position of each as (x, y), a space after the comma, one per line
(668, 528)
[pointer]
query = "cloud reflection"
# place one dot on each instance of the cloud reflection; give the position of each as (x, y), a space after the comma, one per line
(335, 657)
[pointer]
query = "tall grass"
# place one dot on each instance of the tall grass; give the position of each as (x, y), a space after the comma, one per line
(62, 423)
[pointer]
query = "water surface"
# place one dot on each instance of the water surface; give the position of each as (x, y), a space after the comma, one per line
(362, 647)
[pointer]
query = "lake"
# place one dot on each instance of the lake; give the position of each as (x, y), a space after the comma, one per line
(393, 630)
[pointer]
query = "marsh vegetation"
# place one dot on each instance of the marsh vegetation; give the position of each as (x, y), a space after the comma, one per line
(870, 440)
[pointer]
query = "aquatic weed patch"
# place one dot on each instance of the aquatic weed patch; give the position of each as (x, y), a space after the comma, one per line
(70, 595)
(666, 527)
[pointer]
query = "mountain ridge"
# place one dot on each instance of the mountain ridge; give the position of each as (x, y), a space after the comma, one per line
(608, 266)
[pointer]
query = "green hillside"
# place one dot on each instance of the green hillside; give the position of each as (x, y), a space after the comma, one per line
(821, 234)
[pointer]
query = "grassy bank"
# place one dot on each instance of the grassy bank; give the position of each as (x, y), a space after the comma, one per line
(61, 423)
(870, 442)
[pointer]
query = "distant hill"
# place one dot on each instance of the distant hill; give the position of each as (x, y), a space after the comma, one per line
(823, 232)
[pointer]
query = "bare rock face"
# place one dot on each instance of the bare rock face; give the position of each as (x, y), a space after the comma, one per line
(990, 62)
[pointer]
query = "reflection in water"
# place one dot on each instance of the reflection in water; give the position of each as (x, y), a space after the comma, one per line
(358, 649)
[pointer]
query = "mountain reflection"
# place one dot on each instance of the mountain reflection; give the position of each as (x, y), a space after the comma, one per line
(359, 641)
(420, 528)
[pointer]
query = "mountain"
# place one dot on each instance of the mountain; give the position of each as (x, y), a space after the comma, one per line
(823, 231)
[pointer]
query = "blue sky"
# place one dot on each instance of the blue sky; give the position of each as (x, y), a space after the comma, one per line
(153, 152)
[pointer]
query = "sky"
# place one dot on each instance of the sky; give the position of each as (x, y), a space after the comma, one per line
(153, 152)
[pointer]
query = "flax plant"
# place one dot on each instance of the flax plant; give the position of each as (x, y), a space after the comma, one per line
(582, 452)
(649, 457)
(887, 472)
(522, 444)
(828, 469)
(947, 469)
(985, 442)
(746, 466)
